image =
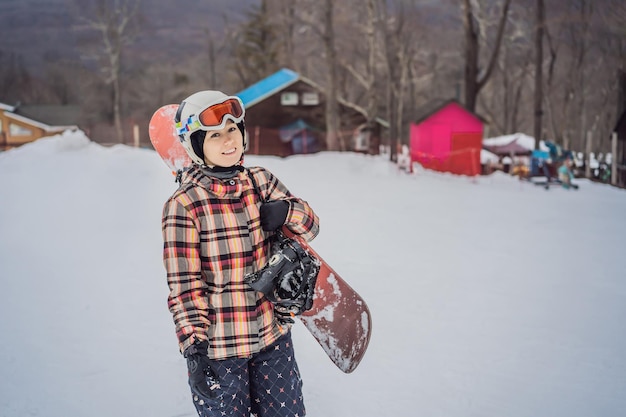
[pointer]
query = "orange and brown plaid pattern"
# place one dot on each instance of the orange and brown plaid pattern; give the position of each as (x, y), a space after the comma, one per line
(212, 238)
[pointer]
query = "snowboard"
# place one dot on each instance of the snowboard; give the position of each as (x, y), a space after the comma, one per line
(165, 140)
(339, 319)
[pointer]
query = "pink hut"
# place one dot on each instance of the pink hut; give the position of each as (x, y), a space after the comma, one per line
(447, 137)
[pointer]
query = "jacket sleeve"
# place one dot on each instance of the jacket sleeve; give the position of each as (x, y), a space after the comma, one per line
(301, 219)
(187, 299)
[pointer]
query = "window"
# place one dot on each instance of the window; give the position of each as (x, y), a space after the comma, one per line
(289, 98)
(17, 130)
(310, 99)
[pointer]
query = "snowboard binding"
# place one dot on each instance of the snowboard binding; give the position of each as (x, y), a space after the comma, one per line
(288, 280)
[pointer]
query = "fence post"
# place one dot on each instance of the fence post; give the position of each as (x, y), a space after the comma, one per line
(256, 140)
(614, 158)
(588, 155)
(136, 135)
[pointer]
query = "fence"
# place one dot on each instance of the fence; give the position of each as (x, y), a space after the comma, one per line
(461, 161)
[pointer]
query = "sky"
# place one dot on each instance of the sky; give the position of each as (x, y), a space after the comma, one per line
(489, 296)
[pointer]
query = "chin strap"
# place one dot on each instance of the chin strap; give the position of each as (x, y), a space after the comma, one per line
(222, 172)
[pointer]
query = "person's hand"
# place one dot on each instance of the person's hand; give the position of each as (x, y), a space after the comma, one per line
(273, 214)
(202, 379)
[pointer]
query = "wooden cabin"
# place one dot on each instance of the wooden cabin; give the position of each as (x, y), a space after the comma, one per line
(285, 115)
(23, 124)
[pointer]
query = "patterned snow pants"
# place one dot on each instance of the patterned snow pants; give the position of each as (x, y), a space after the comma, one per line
(266, 385)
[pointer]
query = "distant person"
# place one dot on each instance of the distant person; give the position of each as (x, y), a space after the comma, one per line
(218, 227)
(565, 173)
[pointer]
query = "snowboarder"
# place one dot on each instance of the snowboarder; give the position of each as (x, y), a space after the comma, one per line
(216, 230)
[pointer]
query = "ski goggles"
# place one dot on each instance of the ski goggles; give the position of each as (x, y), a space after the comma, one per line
(212, 117)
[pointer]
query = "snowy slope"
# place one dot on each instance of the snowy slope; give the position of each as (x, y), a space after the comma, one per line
(490, 297)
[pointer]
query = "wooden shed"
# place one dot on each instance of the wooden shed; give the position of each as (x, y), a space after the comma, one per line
(24, 124)
(286, 99)
(447, 137)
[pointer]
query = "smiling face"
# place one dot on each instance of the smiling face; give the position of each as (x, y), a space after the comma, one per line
(223, 147)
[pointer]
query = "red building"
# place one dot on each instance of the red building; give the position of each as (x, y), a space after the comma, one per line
(447, 137)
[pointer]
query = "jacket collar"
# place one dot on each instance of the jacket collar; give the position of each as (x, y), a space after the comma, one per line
(230, 186)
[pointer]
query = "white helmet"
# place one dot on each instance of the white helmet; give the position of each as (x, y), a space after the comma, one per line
(204, 111)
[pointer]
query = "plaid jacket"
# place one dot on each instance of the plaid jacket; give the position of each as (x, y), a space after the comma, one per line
(212, 238)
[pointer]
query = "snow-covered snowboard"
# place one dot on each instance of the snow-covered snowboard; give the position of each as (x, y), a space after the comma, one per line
(339, 319)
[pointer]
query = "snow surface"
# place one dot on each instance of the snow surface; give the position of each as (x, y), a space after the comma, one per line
(489, 296)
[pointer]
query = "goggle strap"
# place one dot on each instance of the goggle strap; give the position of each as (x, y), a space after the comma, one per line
(192, 124)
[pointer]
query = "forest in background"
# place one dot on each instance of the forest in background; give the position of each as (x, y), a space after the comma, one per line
(119, 60)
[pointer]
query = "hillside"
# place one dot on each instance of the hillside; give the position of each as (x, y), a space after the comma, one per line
(48, 29)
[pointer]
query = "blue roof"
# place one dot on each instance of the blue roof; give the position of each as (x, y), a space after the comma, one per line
(268, 86)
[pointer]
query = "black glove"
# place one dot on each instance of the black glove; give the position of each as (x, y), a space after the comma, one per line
(202, 379)
(273, 214)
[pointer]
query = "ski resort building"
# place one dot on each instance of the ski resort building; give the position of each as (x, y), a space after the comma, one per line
(447, 137)
(285, 115)
(23, 124)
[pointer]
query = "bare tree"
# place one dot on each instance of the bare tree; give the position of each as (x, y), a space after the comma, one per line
(282, 16)
(474, 80)
(332, 106)
(373, 17)
(613, 17)
(256, 47)
(559, 89)
(504, 99)
(116, 23)
(586, 9)
(539, 71)
(581, 75)
(212, 57)
(551, 117)
(398, 57)
(365, 74)
(16, 81)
